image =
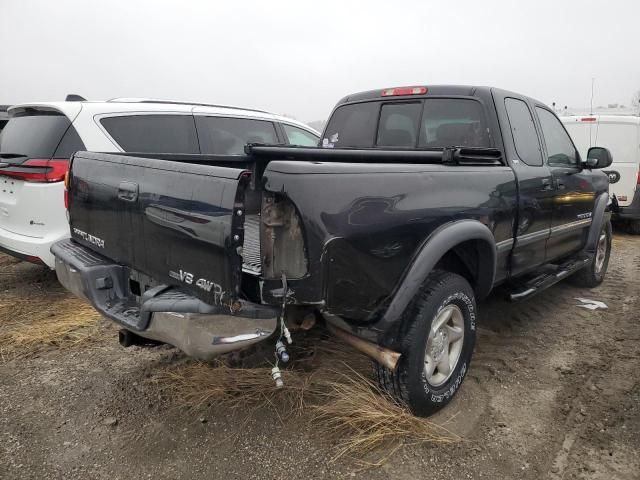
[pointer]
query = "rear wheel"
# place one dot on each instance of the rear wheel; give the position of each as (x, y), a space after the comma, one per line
(437, 346)
(593, 274)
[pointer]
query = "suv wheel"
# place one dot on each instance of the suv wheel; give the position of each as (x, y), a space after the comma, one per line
(437, 345)
(593, 274)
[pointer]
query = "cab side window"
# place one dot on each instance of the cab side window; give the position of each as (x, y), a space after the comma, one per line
(560, 149)
(524, 132)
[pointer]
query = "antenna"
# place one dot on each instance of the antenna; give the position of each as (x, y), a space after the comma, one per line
(593, 81)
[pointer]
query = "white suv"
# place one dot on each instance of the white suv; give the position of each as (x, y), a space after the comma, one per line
(39, 139)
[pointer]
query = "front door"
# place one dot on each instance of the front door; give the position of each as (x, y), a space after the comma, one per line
(574, 194)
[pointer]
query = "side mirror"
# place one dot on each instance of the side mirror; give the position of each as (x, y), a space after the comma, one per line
(598, 157)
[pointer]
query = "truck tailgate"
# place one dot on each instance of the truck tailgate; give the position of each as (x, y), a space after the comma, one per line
(142, 213)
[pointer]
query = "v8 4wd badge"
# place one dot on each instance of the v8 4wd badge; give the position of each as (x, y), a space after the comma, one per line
(203, 283)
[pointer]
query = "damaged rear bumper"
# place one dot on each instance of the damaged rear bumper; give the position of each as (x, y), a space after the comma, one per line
(161, 313)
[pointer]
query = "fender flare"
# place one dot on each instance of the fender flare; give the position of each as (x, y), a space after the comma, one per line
(599, 211)
(432, 250)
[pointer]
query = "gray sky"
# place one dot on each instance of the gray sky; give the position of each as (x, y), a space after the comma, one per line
(299, 57)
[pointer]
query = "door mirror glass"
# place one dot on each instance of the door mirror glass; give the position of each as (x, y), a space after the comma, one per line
(598, 157)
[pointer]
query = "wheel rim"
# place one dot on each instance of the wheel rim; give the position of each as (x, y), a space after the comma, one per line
(601, 252)
(444, 345)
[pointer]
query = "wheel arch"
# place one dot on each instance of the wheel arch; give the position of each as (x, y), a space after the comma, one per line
(465, 247)
(600, 215)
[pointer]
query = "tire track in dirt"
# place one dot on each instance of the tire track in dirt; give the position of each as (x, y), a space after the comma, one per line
(600, 406)
(540, 364)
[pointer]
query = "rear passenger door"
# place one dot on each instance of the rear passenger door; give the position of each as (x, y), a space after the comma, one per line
(535, 188)
(574, 193)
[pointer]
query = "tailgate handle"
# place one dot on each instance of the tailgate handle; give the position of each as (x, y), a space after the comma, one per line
(128, 191)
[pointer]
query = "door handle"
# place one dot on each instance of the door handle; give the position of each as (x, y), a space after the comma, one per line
(128, 191)
(546, 185)
(559, 184)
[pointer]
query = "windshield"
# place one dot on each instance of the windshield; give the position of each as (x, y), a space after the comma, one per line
(431, 124)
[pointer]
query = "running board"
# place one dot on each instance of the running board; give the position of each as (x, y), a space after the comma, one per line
(547, 279)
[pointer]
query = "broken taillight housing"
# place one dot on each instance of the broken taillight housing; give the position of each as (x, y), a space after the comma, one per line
(281, 238)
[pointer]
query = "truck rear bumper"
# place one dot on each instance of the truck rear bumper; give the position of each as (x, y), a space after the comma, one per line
(161, 313)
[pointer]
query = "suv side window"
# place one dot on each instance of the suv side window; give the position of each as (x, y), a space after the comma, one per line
(560, 149)
(153, 133)
(228, 136)
(524, 132)
(300, 137)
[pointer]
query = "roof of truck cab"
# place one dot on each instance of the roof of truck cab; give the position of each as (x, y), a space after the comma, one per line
(433, 90)
(465, 90)
(71, 109)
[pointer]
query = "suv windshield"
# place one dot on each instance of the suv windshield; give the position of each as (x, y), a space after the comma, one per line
(39, 134)
(430, 123)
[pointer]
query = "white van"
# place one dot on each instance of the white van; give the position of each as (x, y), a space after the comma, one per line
(621, 135)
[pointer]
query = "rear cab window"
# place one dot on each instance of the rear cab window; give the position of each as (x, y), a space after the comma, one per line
(159, 133)
(432, 123)
(229, 135)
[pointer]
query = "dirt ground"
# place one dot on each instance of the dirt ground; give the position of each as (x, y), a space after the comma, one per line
(553, 393)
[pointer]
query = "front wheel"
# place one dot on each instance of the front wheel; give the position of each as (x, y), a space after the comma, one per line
(437, 345)
(593, 274)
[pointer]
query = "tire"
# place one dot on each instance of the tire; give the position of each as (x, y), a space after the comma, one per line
(633, 227)
(593, 274)
(443, 294)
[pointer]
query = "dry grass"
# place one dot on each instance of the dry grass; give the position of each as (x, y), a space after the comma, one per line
(37, 313)
(28, 325)
(361, 418)
(199, 385)
(328, 387)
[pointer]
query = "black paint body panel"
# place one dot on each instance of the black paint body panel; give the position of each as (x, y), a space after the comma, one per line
(181, 219)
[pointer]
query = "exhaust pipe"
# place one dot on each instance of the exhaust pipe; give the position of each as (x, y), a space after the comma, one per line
(382, 355)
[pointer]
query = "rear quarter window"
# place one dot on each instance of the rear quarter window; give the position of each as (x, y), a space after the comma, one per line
(298, 136)
(153, 133)
(40, 134)
(523, 130)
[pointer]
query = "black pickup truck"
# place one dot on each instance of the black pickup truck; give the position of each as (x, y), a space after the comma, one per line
(417, 203)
